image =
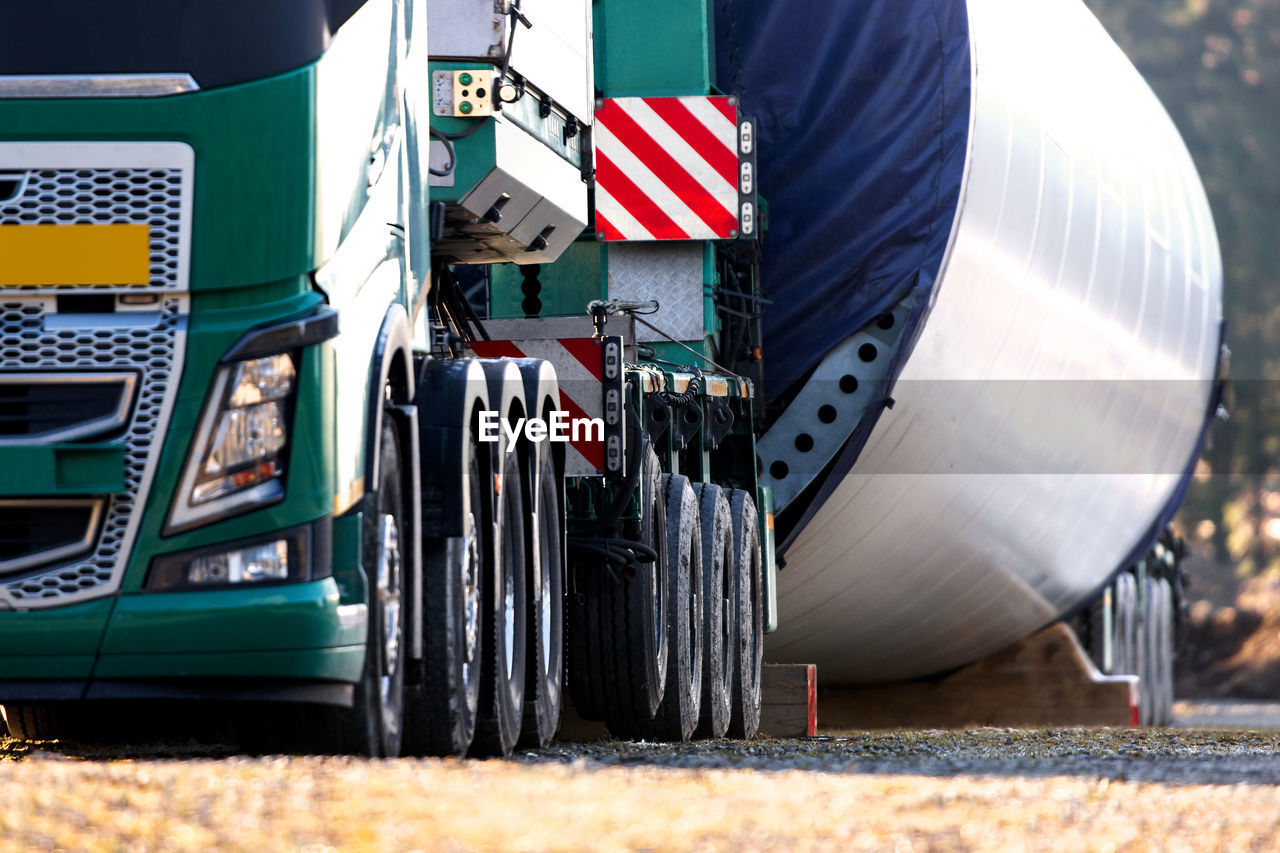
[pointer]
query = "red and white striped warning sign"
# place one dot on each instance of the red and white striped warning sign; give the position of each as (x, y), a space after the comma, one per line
(579, 372)
(666, 168)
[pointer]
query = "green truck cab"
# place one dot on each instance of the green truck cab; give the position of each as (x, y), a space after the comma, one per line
(204, 282)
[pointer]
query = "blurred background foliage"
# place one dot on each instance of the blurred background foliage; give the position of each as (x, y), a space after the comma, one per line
(1215, 64)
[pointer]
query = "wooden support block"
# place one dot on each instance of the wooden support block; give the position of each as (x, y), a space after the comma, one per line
(1043, 680)
(789, 700)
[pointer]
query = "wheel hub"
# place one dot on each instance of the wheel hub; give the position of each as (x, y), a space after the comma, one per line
(542, 570)
(389, 601)
(471, 598)
(509, 611)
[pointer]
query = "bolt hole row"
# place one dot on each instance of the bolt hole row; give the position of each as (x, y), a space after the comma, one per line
(828, 413)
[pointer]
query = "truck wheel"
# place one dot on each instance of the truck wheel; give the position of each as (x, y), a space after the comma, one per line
(748, 597)
(375, 723)
(1120, 624)
(641, 605)
(1160, 651)
(1129, 640)
(618, 618)
(1142, 651)
(505, 609)
(442, 717)
(1169, 647)
(719, 646)
(546, 627)
(1139, 646)
(32, 722)
(1154, 638)
(677, 714)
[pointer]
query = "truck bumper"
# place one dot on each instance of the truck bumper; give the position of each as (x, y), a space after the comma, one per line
(285, 631)
(58, 643)
(291, 642)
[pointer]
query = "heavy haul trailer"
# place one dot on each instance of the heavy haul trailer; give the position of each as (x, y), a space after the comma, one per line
(669, 542)
(247, 436)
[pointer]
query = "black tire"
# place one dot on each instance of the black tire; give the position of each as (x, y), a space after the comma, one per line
(744, 719)
(32, 721)
(1160, 650)
(678, 712)
(1169, 648)
(98, 722)
(545, 679)
(374, 725)
(1121, 613)
(617, 621)
(718, 629)
(1142, 652)
(1128, 656)
(441, 718)
(1124, 621)
(1152, 636)
(505, 612)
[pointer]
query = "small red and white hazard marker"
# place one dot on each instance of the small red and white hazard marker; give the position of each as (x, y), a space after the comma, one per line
(579, 371)
(670, 169)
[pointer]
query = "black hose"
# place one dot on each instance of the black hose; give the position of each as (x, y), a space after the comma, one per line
(462, 134)
(617, 551)
(453, 157)
(623, 497)
(588, 547)
(640, 552)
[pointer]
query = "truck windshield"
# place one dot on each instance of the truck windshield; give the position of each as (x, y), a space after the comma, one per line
(217, 42)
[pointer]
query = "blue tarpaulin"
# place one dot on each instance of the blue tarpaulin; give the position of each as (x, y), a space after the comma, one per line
(862, 113)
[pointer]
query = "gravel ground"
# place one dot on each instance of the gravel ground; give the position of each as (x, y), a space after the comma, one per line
(989, 789)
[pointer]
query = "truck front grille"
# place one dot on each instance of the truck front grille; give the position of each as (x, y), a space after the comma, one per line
(123, 344)
(151, 351)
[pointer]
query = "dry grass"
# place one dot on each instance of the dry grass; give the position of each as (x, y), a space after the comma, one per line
(53, 801)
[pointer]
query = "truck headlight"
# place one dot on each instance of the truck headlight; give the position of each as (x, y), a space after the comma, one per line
(237, 459)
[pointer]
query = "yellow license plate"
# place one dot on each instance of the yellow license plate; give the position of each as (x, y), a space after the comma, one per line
(75, 254)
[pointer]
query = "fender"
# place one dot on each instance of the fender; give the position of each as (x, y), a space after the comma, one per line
(390, 365)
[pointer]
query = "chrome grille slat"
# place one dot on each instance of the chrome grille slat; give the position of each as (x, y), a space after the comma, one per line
(33, 532)
(42, 407)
